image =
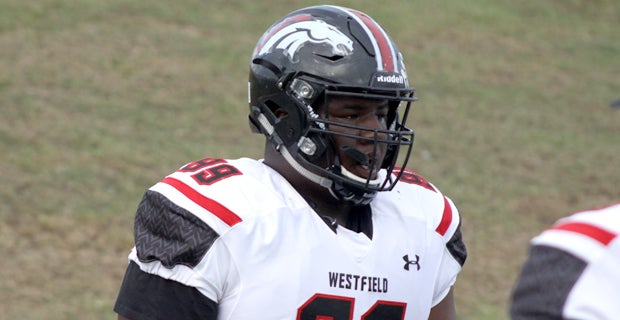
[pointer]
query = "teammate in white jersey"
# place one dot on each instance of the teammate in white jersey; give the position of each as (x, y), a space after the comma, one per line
(319, 228)
(573, 270)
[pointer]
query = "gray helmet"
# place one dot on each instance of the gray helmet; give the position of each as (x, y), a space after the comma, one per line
(308, 56)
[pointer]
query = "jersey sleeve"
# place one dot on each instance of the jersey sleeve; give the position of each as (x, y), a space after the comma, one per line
(425, 201)
(169, 273)
(542, 289)
(454, 252)
(450, 229)
(171, 235)
(572, 269)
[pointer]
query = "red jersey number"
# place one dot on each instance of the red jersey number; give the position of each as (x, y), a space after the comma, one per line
(329, 307)
(210, 170)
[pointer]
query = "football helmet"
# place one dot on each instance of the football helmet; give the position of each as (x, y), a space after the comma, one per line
(316, 53)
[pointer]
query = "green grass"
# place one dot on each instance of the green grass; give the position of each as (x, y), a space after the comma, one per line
(100, 99)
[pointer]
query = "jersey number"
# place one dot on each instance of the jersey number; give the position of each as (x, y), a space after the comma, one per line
(413, 178)
(328, 307)
(212, 170)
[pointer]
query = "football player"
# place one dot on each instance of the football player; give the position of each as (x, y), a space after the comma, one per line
(318, 228)
(573, 270)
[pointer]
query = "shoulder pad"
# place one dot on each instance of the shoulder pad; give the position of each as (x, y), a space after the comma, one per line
(170, 234)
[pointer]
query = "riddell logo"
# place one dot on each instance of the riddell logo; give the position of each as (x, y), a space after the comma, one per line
(391, 79)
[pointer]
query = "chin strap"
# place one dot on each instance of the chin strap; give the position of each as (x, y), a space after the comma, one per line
(362, 159)
(352, 176)
(339, 194)
(351, 193)
(322, 181)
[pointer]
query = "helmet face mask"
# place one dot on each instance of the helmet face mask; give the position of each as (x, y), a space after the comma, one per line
(311, 61)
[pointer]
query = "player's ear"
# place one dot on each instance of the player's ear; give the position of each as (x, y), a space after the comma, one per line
(280, 113)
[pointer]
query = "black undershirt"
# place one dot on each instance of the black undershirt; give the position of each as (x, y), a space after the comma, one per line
(359, 220)
(145, 296)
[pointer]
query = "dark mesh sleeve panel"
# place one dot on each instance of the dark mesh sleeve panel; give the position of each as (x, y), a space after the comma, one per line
(546, 279)
(166, 232)
(456, 247)
(145, 296)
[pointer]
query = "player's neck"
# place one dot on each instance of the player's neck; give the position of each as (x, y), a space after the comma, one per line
(318, 197)
(336, 210)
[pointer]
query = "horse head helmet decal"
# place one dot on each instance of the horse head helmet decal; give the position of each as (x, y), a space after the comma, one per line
(293, 33)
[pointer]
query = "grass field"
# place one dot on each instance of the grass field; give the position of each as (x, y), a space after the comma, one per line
(100, 99)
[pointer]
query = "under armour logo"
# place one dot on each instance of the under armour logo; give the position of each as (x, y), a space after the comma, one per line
(408, 262)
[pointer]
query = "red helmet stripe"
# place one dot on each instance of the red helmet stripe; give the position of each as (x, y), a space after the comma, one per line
(386, 55)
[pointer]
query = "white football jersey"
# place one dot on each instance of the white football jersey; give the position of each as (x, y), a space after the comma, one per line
(573, 271)
(248, 241)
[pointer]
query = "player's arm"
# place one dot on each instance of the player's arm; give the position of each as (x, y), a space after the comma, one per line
(147, 296)
(444, 310)
(455, 256)
(166, 237)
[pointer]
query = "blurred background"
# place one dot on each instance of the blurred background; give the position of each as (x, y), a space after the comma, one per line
(99, 100)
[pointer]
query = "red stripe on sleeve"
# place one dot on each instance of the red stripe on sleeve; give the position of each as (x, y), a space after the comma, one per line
(227, 216)
(601, 235)
(446, 219)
